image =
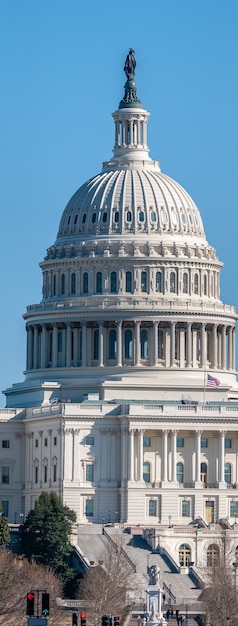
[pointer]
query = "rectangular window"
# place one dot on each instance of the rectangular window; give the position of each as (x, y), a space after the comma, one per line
(54, 473)
(46, 442)
(36, 443)
(89, 472)
(36, 474)
(233, 509)
(152, 508)
(5, 443)
(89, 508)
(204, 443)
(45, 473)
(227, 443)
(180, 442)
(186, 508)
(89, 440)
(5, 475)
(5, 506)
(147, 442)
(55, 441)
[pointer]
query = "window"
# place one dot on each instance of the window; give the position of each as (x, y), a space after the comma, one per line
(46, 442)
(60, 341)
(73, 283)
(233, 508)
(160, 344)
(172, 282)
(45, 473)
(128, 344)
(75, 219)
(205, 285)
(36, 443)
(89, 472)
(185, 508)
(54, 285)
(196, 283)
(184, 555)
(152, 508)
(128, 282)
(6, 443)
(112, 344)
(153, 216)
(179, 467)
(212, 555)
(227, 473)
(36, 474)
(185, 283)
(227, 443)
(99, 282)
(85, 282)
(116, 217)
(104, 218)
(89, 440)
(55, 441)
(147, 442)
(146, 472)
(141, 216)
(5, 506)
(84, 218)
(128, 216)
(144, 282)
(5, 475)
(54, 473)
(144, 344)
(204, 443)
(113, 286)
(89, 507)
(63, 284)
(94, 217)
(180, 442)
(158, 282)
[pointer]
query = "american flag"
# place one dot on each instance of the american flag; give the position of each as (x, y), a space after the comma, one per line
(213, 382)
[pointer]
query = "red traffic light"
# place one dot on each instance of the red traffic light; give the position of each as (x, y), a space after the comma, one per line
(83, 619)
(30, 602)
(30, 596)
(83, 615)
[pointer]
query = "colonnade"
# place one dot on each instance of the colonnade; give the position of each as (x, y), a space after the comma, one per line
(162, 343)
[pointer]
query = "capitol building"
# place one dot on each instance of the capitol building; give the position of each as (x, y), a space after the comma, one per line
(129, 405)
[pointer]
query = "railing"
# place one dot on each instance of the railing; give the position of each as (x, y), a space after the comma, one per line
(172, 597)
(117, 548)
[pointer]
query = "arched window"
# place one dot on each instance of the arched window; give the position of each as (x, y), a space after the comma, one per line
(112, 344)
(144, 344)
(227, 473)
(204, 473)
(94, 217)
(159, 282)
(99, 282)
(85, 282)
(128, 344)
(144, 282)
(184, 555)
(54, 285)
(73, 283)
(84, 218)
(146, 472)
(96, 345)
(185, 282)
(205, 284)
(141, 216)
(160, 344)
(180, 472)
(212, 555)
(128, 216)
(128, 282)
(63, 284)
(104, 217)
(116, 217)
(113, 281)
(172, 282)
(196, 283)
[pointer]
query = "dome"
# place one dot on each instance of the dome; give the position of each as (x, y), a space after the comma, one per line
(129, 201)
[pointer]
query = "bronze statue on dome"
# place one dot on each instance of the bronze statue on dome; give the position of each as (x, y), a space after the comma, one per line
(130, 65)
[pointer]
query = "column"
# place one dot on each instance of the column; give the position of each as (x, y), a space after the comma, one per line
(75, 332)
(214, 346)
(223, 351)
(54, 346)
(174, 455)
(35, 350)
(172, 344)
(222, 456)
(68, 345)
(234, 348)
(119, 344)
(203, 347)
(29, 347)
(155, 342)
(137, 343)
(100, 347)
(43, 346)
(140, 450)
(165, 456)
(182, 347)
(198, 457)
(194, 347)
(132, 454)
(84, 344)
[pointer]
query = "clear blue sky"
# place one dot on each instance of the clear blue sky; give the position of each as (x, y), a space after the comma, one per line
(61, 74)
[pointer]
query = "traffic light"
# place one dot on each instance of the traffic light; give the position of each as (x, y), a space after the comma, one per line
(74, 619)
(83, 619)
(116, 620)
(30, 602)
(106, 620)
(45, 604)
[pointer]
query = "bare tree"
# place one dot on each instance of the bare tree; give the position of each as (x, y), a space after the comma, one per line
(220, 593)
(105, 588)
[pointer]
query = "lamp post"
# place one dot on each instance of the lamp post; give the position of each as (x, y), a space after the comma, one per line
(170, 517)
(109, 517)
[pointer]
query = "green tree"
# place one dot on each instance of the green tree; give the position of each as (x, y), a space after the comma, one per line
(46, 535)
(4, 530)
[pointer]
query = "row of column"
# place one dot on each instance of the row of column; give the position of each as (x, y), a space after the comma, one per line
(172, 345)
(136, 456)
